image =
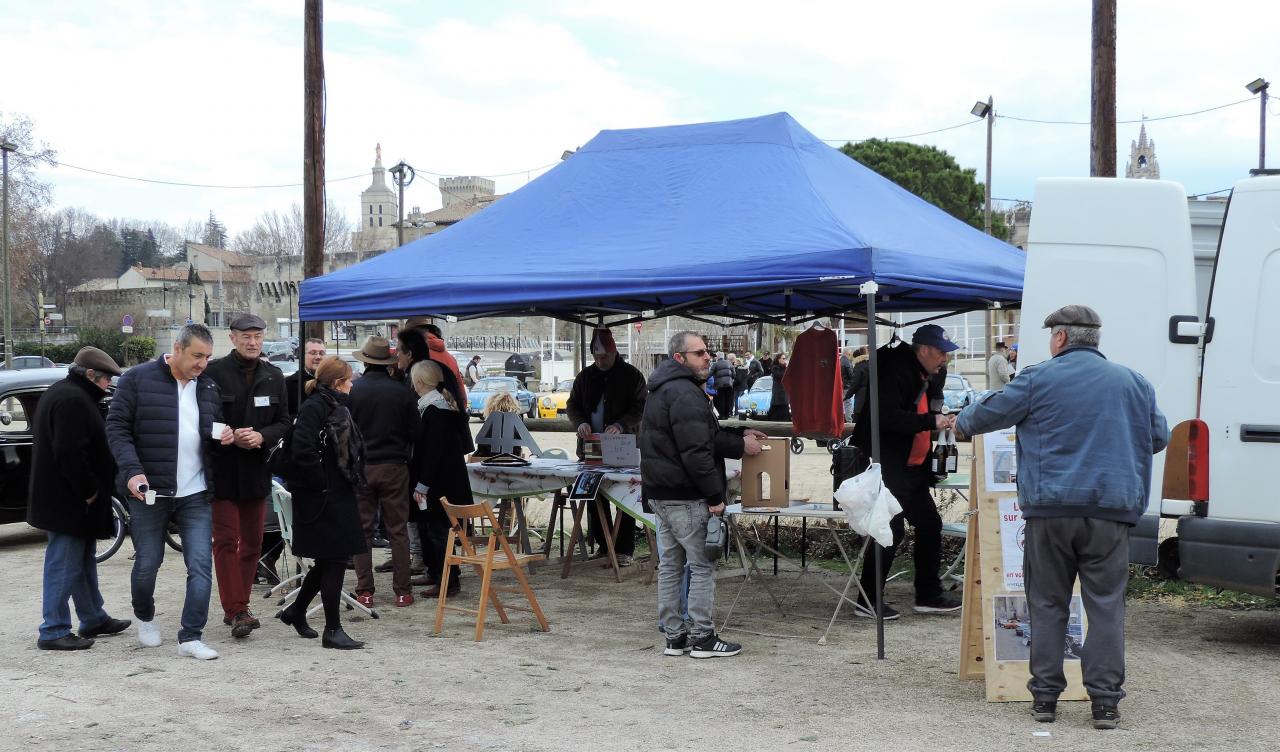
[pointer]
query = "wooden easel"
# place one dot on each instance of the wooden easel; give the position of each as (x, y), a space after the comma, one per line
(1006, 680)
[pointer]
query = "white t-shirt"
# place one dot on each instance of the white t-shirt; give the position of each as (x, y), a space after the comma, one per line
(190, 461)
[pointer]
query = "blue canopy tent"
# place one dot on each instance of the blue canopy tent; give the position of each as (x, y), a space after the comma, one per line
(755, 220)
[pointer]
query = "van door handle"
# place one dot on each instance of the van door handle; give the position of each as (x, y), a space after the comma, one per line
(1262, 434)
(1178, 338)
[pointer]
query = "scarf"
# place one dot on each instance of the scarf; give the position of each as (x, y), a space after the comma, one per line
(440, 399)
(344, 436)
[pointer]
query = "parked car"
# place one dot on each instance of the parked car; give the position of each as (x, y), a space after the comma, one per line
(490, 385)
(755, 402)
(287, 367)
(19, 394)
(958, 393)
(26, 362)
(279, 351)
(556, 402)
(357, 367)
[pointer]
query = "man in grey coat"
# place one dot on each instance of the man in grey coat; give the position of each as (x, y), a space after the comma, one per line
(1087, 429)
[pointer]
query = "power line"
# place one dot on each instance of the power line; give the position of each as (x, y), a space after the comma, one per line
(58, 163)
(1126, 122)
(909, 135)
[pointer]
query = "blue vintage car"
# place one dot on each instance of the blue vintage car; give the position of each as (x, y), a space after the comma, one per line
(485, 388)
(754, 403)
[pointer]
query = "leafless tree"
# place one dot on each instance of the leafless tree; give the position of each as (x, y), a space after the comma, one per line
(280, 233)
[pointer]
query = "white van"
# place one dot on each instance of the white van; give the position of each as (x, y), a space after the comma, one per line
(1124, 248)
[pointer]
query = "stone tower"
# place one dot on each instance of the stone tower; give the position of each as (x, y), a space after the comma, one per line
(377, 220)
(1142, 158)
(465, 188)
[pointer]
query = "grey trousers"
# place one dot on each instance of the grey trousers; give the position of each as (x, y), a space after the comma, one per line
(682, 538)
(1057, 550)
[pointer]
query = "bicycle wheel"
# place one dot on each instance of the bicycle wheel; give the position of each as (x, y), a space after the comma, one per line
(119, 526)
(173, 537)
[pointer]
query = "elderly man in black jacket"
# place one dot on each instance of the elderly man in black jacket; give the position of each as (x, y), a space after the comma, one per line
(387, 415)
(682, 453)
(256, 407)
(162, 434)
(607, 397)
(72, 474)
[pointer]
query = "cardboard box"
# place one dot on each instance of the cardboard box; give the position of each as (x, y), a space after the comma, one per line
(773, 464)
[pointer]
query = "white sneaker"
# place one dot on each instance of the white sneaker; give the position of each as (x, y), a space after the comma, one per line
(149, 634)
(197, 650)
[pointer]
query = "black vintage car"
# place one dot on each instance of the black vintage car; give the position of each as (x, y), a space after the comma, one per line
(19, 393)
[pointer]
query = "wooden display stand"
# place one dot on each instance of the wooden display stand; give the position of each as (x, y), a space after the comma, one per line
(774, 462)
(992, 650)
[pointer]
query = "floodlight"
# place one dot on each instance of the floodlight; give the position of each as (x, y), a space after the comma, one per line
(1256, 85)
(980, 109)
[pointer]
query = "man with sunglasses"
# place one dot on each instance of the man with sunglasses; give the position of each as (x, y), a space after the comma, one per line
(682, 453)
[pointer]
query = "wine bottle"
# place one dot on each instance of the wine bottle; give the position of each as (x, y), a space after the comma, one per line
(952, 460)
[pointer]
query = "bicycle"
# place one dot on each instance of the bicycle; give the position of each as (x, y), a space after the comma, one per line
(120, 528)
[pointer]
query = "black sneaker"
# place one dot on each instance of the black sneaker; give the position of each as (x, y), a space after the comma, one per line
(869, 612)
(938, 604)
(1105, 716)
(712, 646)
(1045, 711)
(678, 646)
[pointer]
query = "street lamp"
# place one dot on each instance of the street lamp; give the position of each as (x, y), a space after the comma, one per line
(986, 111)
(5, 148)
(1260, 86)
(403, 174)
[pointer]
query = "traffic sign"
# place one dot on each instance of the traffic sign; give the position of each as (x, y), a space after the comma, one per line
(48, 320)
(127, 320)
(639, 326)
(55, 316)
(126, 329)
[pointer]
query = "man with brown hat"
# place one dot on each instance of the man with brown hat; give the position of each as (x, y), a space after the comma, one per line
(72, 472)
(387, 415)
(1087, 429)
(256, 407)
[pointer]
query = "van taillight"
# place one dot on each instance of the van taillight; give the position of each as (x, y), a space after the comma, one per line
(1198, 460)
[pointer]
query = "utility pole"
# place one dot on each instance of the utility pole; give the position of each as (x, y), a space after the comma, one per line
(1260, 86)
(313, 224)
(398, 174)
(1102, 120)
(5, 148)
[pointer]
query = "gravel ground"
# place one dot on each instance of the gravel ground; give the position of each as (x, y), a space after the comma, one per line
(1198, 678)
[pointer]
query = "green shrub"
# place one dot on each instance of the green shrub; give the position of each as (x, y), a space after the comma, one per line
(58, 353)
(139, 349)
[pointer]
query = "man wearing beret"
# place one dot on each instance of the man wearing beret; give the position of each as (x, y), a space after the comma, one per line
(256, 407)
(72, 472)
(906, 421)
(1087, 429)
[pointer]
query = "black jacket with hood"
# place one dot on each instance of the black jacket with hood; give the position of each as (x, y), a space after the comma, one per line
(902, 382)
(682, 446)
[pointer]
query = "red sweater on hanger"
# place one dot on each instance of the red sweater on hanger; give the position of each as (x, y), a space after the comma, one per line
(814, 386)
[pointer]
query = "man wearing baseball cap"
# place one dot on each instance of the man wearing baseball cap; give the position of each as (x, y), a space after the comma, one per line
(1087, 429)
(256, 407)
(906, 422)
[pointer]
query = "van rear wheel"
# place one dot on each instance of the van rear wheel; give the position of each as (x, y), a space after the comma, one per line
(1168, 559)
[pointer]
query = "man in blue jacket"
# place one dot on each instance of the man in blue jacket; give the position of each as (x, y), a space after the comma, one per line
(1087, 429)
(160, 428)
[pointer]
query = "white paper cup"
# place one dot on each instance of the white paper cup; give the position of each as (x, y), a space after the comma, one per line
(422, 504)
(216, 433)
(150, 496)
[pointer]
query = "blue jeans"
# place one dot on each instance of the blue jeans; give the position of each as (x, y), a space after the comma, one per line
(147, 524)
(70, 572)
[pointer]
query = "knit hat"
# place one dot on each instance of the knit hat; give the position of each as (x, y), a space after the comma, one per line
(602, 342)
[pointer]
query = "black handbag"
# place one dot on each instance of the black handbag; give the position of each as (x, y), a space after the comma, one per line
(847, 461)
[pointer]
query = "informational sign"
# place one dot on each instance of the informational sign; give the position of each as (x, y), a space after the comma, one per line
(55, 316)
(1001, 460)
(1013, 542)
(619, 450)
(126, 330)
(159, 313)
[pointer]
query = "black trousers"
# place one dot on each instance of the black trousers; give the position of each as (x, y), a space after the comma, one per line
(912, 490)
(325, 578)
(433, 536)
(626, 543)
(724, 403)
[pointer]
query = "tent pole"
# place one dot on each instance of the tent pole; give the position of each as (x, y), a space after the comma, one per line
(986, 352)
(869, 290)
(582, 346)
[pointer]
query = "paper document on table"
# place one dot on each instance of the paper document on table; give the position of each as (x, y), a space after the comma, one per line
(619, 450)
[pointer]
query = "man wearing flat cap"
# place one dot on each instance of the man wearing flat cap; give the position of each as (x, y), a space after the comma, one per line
(72, 473)
(387, 415)
(255, 405)
(1087, 429)
(909, 384)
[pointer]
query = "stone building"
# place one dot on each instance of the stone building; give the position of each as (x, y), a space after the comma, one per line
(1142, 158)
(378, 207)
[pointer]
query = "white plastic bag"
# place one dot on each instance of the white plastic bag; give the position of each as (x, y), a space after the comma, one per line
(867, 503)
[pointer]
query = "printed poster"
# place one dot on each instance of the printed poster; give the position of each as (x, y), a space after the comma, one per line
(1001, 462)
(1013, 542)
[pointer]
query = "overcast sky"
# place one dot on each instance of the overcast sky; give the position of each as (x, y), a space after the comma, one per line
(211, 92)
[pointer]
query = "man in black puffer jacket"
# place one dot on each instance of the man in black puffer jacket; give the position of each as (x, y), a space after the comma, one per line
(722, 375)
(160, 427)
(682, 453)
(71, 477)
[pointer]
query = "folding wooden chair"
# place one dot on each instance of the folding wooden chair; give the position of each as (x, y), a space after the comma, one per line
(497, 555)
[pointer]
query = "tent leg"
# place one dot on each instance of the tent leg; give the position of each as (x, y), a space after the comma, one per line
(869, 290)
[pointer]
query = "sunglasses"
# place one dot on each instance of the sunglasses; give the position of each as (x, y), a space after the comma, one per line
(697, 353)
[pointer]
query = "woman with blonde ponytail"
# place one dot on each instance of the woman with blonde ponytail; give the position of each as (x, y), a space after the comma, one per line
(436, 470)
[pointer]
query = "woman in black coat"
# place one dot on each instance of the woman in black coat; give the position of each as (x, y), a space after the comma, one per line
(437, 470)
(70, 498)
(328, 458)
(779, 407)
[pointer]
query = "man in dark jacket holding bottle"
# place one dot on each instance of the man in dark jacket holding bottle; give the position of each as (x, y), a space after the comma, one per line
(682, 453)
(906, 422)
(72, 473)
(387, 415)
(256, 407)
